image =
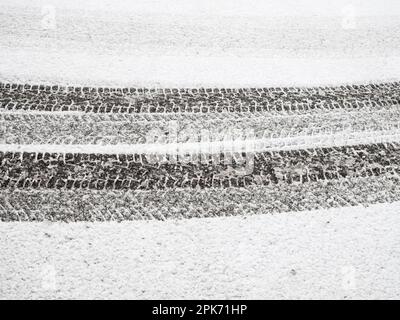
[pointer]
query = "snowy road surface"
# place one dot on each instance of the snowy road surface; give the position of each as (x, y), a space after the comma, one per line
(249, 242)
(345, 253)
(214, 44)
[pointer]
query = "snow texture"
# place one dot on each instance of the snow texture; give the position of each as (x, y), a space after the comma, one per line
(342, 253)
(199, 43)
(346, 253)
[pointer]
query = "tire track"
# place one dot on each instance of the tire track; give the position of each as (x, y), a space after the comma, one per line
(121, 205)
(97, 129)
(82, 153)
(198, 100)
(132, 172)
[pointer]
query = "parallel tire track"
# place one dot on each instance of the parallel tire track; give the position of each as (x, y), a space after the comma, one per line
(104, 171)
(82, 154)
(117, 205)
(106, 129)
(148, 100)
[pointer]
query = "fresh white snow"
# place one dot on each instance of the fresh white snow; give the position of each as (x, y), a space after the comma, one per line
(213, 44)
(346, 253)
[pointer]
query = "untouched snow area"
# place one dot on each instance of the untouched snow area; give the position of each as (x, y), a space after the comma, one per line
(196, 43)
(350, 253)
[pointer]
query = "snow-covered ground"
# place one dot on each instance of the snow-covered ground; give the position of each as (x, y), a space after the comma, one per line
(336, 253)
(196, 43)
(347, 253)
